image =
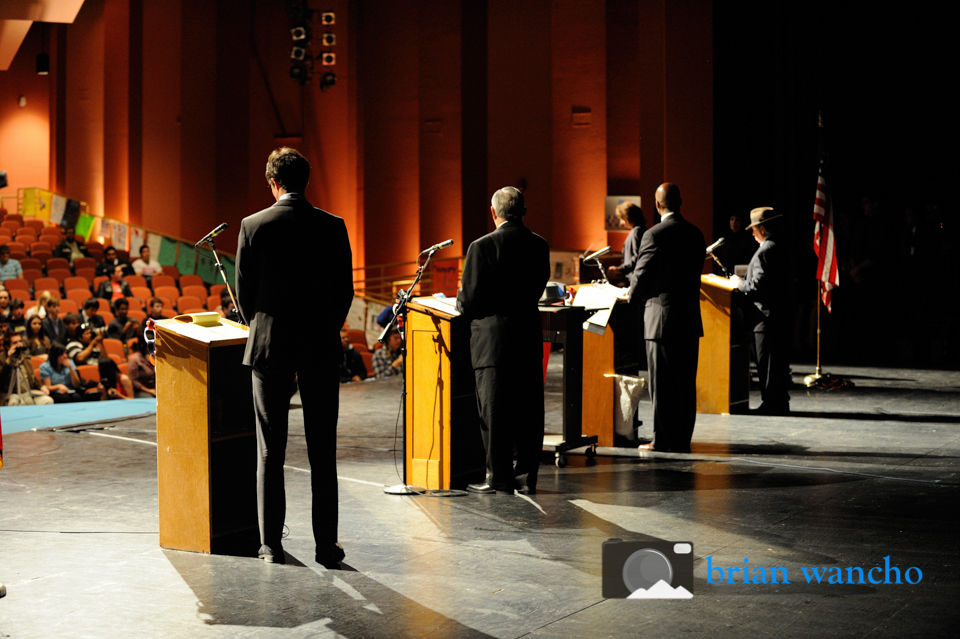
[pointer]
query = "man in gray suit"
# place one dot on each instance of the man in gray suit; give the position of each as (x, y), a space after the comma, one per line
(667, 281)
(277, 263)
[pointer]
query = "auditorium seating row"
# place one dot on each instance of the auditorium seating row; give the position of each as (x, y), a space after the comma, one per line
(112, 348)
(358, 339)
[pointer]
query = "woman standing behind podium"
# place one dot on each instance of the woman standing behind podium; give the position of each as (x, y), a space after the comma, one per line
(630, 216)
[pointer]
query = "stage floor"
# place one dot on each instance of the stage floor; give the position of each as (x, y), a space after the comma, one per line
(855, 478)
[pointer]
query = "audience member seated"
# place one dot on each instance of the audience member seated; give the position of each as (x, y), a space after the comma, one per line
(115, 288)
(89, 314)
(388, 361)
(37, 343)
(110, 262)
(71, 323)
(18, 384)
(41, 308)
(143, 374)
(60, 378)
(226, 309)
(16, 322)
(86, 348)
(155, 309)
(122, 327)
(146, 266)
(53, 326)
(71, 248)
(10, 268)
(352, 369)
(4, 303)
(113, 383)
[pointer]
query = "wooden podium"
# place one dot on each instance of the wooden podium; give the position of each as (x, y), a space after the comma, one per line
(206, 439)
(443, 445)
(723, 369)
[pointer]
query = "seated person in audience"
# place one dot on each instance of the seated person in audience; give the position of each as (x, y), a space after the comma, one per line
(388, 361)
(115, 288)
(86, 348)
(113, 383)
(17, 379)
(352, 369)
(10, 268)
(90, 314)
(53, 326)
(36, 341)
(146, 266)
(111, 261)
(155, 308)
(16, 323)
(41, 307)
(226, 309)
(71, 322)
(59, 376)
(143, 374)
(71, 248)
(123, 327)
(4, 302)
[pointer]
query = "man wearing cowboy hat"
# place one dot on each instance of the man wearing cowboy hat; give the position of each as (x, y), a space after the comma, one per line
(767, 285)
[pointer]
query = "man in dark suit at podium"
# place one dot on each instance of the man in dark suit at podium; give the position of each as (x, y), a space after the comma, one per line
(504, 274)
(667, 281)
(277, 260)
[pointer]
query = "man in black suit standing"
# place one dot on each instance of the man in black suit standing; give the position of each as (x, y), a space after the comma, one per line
(767, 286)
(667, 281)
(277, 262)
(504, 274)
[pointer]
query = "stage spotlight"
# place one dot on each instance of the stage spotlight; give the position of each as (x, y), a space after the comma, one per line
(327, 81)
(328, 59)
(298, 53)
(299, 33)
(328, 17)
(328, 39)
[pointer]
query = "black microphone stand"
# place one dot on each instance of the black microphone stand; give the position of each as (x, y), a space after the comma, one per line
(223, 275)
(720, 264)
(400, 318)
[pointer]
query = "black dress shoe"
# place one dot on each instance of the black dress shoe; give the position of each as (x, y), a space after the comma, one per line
(272, 555)
(331, 556)
(527, 490)
(486, 488)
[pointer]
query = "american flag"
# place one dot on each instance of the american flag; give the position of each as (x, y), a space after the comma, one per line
(823, 240)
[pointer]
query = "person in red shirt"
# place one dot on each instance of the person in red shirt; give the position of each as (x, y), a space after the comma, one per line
(115, 287)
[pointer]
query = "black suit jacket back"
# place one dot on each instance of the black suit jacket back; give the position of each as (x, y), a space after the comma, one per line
(294, 284)
(767, 285)
(504, 274)
(667, 279)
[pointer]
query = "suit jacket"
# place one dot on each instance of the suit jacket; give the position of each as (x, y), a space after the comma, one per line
(106, 291)
(504, 274)
(767, 285)
(294, 278)
(667, 279)
(631, 251)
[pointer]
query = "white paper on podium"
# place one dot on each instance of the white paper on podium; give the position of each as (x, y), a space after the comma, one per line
(602, 297)
(446, 305)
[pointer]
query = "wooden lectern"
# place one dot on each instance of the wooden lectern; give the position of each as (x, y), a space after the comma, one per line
(443, 445)
(723, 369)
(206, 438)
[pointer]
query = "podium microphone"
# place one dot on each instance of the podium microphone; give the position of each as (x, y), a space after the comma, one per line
(212, 234)
(436, 247)
(713, 247)
(599, 253)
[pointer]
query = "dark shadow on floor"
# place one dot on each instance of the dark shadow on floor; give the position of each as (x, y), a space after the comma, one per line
(881, 417)
(249, 592)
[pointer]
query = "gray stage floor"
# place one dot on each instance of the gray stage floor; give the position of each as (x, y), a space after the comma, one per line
(854, 477)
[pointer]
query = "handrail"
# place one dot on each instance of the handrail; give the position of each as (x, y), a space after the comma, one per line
(374, 283)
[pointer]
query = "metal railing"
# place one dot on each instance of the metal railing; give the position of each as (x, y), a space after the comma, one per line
(380, 282)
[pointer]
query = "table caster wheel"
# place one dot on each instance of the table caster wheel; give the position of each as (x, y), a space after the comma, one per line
(591, 452)
(561, 461)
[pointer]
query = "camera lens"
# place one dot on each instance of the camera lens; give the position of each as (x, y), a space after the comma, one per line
(645, 568)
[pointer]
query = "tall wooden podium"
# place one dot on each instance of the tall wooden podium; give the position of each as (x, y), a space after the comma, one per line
(443, 447)
(723, 369)
(206, 439)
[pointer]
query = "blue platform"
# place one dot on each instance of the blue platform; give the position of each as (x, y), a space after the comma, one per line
(16, 419)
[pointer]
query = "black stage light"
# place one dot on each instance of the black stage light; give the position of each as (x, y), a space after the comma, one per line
(298, 53)
(299, 33)
(328, 39)
(299, 72)
(43, 64)
(327, 81)
(328, 17)
(328, 59)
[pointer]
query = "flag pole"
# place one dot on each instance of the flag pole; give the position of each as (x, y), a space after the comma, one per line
(813, 380)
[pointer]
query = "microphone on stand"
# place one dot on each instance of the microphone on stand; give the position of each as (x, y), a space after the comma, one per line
(436, 247)
(598, 254)
(713, 247)
(212, 234)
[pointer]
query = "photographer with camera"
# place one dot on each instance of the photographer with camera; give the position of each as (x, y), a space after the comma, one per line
(90, 314)
(17, 379)
(86, 348)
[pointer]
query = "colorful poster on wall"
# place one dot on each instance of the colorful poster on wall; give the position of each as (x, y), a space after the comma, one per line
(138, 237)
(446, 277)
(167, 251)
(610, 220)
(357, 315)
(28, 206)
(57, 209)
(44, 204)
(85, 226)
(371, 328)
(186, 259)
(153, 241)
(118, 236)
